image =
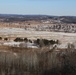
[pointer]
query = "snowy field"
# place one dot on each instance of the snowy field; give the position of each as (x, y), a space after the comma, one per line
(18, 32)
(11, 30)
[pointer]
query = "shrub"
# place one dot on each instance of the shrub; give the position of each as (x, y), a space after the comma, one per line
(5, 39)
(0, 38)
(18, 40)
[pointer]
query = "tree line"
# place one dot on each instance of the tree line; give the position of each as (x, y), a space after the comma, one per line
(39, 42)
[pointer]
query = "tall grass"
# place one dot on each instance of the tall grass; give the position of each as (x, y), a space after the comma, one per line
(23, 61)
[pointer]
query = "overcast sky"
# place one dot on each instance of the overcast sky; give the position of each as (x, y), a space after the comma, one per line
(40, 7)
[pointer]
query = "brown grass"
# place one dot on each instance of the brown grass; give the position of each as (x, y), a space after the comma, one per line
(27, 61)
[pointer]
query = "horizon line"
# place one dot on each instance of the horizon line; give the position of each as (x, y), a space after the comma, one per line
(33, 14)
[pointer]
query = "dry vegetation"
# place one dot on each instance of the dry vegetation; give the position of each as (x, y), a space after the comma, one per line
(42, 61)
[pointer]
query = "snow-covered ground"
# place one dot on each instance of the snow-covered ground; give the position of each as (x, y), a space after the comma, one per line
(12, 44)
(20, 44)
(43, 33)
(19, 32)
(11, 30)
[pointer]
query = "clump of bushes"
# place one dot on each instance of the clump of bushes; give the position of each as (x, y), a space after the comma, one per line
(38, 42)
(45, 42)
(18, 40)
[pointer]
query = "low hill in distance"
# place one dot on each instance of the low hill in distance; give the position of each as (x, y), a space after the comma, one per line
(22, 18)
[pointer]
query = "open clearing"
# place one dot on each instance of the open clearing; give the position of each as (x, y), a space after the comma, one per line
(18, 32)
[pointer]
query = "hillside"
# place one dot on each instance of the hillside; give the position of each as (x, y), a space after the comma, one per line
(22, 18)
